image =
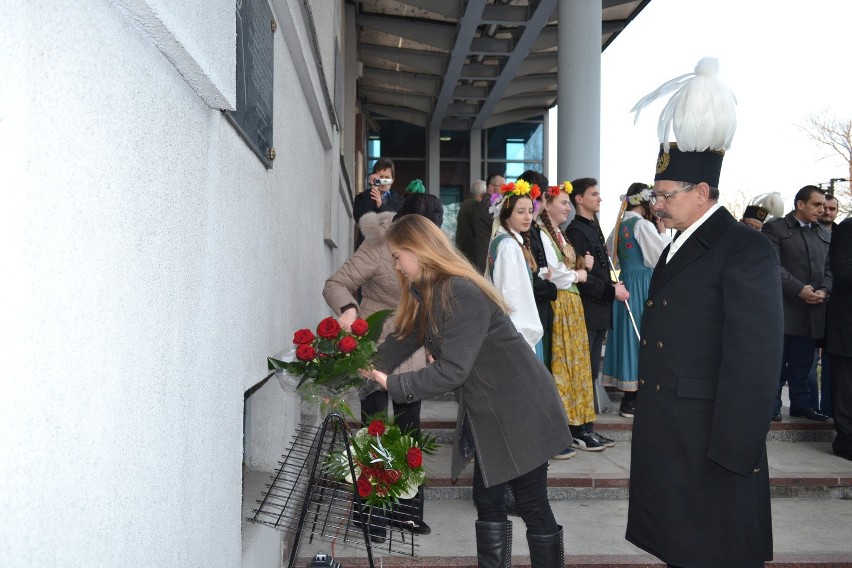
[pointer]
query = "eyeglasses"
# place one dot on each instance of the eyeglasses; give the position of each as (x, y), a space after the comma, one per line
(666, 196)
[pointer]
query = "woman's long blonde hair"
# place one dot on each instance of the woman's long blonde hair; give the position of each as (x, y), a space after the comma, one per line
(439, 260)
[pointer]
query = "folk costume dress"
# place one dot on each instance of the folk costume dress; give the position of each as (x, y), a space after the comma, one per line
(510, 273)
(570, 343)
(639, 247)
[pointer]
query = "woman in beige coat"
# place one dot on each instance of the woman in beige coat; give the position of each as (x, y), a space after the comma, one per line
(371, 269)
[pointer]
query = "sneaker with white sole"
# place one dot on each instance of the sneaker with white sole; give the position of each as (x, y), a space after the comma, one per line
(565, 454)
(587, 442)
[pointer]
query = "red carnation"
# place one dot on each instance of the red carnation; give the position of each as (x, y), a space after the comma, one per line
(305, 353)
(303, 337)
(360, 327)
(364, 486)
(390, 476)
(347, 344)
(414, 457)
(507, 188)
(328, 328)
(376, 428)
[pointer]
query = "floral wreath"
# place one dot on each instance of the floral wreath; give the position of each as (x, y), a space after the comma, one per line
(637, 198)
(555, 190)
(519, 187)
(388, 462)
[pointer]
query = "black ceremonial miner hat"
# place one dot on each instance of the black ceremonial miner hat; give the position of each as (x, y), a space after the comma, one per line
(702, 115)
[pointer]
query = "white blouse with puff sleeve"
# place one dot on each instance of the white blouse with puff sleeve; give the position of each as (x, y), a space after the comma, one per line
(511, 277)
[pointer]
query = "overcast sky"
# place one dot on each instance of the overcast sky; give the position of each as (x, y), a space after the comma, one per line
(783, 60)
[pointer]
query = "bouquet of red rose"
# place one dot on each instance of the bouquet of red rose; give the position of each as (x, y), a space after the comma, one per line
(330, 360)
(388, 463)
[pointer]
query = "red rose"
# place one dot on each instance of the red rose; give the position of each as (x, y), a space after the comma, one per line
(360, 327)
(376, 428)
(305, 353)
(303, 337)
(414, 457)
(347, 344)
(328, 328)
(364, 486)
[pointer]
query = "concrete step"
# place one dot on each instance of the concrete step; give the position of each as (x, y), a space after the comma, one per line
(438, 417)
(809, 533)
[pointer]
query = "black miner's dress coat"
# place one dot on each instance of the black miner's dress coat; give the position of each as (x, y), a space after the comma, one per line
(708, 372)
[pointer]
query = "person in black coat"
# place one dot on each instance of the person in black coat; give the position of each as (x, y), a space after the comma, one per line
(708, 368)
(376, 197)
(839, 337)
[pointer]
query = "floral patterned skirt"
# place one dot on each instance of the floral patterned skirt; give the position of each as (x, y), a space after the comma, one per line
(570, 359)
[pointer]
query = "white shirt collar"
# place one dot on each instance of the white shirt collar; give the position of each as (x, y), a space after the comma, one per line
(688, 232)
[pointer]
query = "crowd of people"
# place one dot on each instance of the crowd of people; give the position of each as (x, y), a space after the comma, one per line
(514, 317)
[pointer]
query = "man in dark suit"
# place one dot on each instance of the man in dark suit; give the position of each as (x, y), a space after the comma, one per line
(802, 247)
(839, 337)
(473, 226)
(699, 482)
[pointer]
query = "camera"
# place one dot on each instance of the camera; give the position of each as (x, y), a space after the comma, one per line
(382, 181)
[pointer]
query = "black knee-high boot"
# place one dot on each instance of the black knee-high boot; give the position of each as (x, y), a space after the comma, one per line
(494, 544)
(546, 550)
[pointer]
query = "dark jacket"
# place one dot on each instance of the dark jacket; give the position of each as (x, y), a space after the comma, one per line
(708, 374)
(364, 204)
(597, 292)
(802, 252)
(473, 231)
(509, 410)
(839, 326)
(544, 291)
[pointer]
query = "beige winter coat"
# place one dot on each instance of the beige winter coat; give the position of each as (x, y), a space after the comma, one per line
(371, 269)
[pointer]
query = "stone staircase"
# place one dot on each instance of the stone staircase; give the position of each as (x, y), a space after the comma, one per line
(811, 490)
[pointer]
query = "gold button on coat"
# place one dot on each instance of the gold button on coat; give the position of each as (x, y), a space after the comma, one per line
(665, 303)
(657, 388)
(643, 342)
(649, 303)
(641, 382)
(659, 345)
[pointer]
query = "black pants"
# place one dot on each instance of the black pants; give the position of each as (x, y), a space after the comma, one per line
(407, 414)
(531, 501)
(841, 399)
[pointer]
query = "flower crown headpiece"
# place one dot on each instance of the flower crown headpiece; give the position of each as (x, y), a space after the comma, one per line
(555, 190)
(520, 188)
(637, 198)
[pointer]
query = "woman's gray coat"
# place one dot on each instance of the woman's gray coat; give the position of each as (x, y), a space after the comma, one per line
(509, 409)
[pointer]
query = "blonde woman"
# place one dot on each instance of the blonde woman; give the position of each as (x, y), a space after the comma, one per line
(506, 396)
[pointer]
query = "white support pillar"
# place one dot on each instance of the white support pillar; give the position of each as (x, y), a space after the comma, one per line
(579, 84)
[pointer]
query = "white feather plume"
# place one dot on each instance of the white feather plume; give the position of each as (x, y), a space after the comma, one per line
(701, 112)
(772, 202)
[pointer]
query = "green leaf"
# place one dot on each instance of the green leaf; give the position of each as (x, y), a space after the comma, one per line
(376, 322)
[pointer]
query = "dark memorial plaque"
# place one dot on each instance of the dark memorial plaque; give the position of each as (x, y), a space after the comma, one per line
(255, 50)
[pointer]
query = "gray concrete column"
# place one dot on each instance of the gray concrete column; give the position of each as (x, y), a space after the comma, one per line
(433, 161)
(579, 82)
(475, 159)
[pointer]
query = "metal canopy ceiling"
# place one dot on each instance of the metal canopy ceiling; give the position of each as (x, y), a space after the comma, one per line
(458, 65)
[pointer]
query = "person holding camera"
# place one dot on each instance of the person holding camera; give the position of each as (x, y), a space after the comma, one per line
(377, 197)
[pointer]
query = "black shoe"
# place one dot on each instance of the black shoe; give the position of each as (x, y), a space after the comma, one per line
(422, 528)
(776, 417)
(811, 415)
(587, 442)
(607, 442)
(627, 408)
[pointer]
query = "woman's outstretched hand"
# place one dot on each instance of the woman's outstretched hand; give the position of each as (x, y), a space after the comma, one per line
(375, 376)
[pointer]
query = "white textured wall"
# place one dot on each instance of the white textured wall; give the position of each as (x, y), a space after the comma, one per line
(151, 265)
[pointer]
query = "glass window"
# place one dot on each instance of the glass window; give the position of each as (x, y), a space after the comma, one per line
(511, 149)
